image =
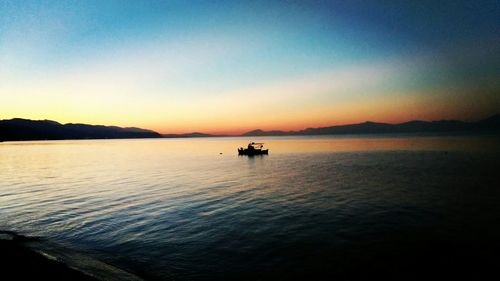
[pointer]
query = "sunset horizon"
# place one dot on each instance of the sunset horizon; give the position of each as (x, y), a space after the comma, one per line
(246, 130)
(232, 66)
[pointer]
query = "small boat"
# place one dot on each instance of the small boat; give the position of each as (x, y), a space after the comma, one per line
(253, 148)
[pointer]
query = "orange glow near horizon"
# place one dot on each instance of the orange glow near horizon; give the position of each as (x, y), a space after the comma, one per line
(276, 66)
(435, 105)
(349, 95)
(397, 108)
(346, 95)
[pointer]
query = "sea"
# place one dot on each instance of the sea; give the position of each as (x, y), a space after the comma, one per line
(398, 207)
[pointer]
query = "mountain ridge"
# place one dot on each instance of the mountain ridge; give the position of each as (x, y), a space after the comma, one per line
(490, 124)
(19, 129)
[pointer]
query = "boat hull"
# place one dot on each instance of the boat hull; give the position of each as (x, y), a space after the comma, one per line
(253, 152)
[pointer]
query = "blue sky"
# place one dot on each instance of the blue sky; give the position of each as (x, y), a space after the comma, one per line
(178, 66)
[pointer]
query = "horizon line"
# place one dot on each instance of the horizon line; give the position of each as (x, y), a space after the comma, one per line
(221, 133)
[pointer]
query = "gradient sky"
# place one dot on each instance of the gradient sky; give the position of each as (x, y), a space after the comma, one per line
(231, 66)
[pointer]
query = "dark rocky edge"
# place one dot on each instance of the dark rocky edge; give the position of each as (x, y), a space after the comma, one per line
(32, 258)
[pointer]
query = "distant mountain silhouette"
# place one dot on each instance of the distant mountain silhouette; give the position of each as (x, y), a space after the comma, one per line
(191, 135)
(489, 125)
(260, 132)
(24, 129)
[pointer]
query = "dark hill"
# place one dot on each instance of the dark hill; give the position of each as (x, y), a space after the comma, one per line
(489, 125)
(191, 135)
(24, 129)
(260, 132)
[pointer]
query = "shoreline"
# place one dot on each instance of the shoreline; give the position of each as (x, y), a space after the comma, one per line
(32, 258)
(340, 136)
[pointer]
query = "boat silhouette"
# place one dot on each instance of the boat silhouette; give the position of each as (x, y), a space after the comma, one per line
(253, 148)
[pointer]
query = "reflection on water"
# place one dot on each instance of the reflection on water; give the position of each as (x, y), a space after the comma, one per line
(315, 206)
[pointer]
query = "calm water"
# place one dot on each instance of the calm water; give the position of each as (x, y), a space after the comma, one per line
(316, 207)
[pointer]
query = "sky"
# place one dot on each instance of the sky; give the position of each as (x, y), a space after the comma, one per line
(234, 66)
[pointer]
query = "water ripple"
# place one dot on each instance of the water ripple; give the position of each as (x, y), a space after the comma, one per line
(169, 208)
